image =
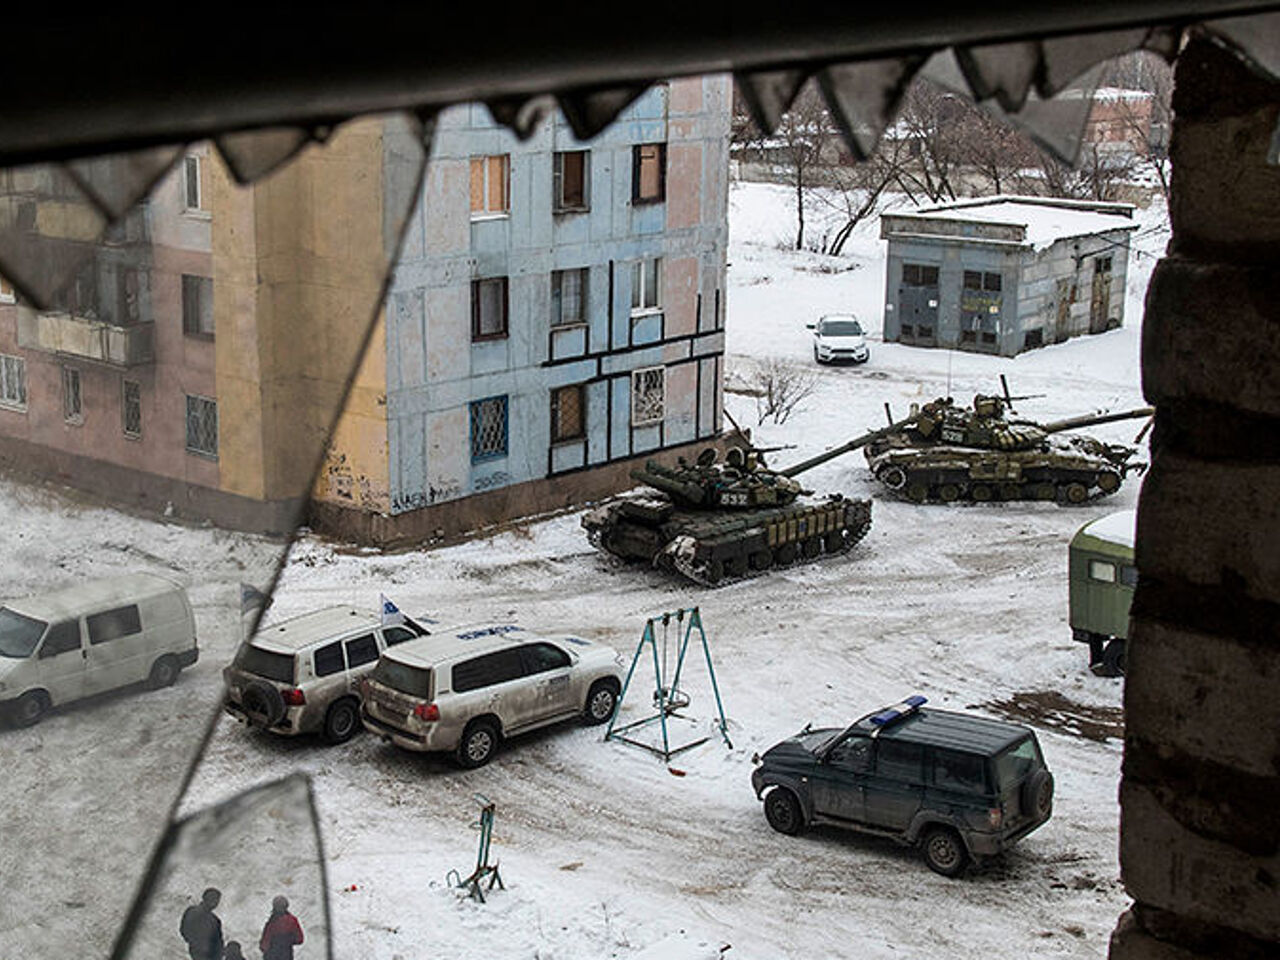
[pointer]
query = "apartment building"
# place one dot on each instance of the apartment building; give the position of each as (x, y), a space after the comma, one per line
(556, 313)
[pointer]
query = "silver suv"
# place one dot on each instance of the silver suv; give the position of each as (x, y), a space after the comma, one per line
(466, 690)
(301, 675)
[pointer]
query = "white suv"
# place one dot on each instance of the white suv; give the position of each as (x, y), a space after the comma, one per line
(466, 690)
(839, 337)
(301, 675)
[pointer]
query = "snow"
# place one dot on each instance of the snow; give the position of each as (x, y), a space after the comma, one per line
(604, 850)
(1119, 528)
(1044, 223)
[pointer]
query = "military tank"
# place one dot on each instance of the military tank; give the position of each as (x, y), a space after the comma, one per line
(943, 453)
(714, 520)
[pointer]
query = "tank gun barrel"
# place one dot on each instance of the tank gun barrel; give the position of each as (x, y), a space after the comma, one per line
(844, 448)
(660, 478)
(1093, 419)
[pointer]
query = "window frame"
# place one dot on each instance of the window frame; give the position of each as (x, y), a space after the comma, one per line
(637, 198)
(194, 326)
(326, 649)
(557, 298)
(8, 363)
(476, 335)
(361, 638)
(556, 393)
(636, 377)
(196, 451)
(1096, 565)
(639, 270)
(72, 396)
(485, 161)
(558, 202)
(125, 384)
(188, 182)
(472, 415)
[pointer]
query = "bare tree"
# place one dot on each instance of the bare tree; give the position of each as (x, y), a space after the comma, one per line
(1099, 174)
(778, 386)
(928, 123)
(806, 136)
(1146, 120)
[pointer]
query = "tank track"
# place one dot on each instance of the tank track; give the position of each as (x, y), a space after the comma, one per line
(678, 555)
(1069, 492)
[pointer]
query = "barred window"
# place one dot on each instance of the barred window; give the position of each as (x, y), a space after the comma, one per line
(646, 284)
(489, 309)
(202, 426)
(72, 410)
(488, 429)
(490, 177)
(131, 407)
(13, 381)
(568, 297)
(648, 396)
(648, 172)
(919, 275)
(570, 175)
(568, 409)
(197, 305)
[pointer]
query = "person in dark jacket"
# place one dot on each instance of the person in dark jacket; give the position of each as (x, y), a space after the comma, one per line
(232, 951)
(201, 928)
(281, 933)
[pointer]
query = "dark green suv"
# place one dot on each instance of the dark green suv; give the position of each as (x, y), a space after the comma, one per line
(958, 786)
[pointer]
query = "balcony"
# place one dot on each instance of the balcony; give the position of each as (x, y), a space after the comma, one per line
(86, 339)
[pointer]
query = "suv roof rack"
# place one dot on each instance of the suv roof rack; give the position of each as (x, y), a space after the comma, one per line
(898, 711)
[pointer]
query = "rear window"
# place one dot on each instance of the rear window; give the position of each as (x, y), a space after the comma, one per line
(400, 676)
(265, 663)
(1015, 762)
(18, 634)
(959, 771)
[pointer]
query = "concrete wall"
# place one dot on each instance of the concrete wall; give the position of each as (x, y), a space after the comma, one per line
(1056, 284)
(1200, 822)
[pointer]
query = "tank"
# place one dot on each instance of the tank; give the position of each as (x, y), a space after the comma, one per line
(943, 453)
(715, 520)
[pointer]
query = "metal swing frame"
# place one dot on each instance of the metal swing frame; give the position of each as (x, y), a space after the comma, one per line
(666, 696)
(483, 867)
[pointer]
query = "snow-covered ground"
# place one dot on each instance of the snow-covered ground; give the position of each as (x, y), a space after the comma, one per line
(606, 852)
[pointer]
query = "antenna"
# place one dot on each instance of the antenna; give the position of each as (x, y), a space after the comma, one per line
(950, 354)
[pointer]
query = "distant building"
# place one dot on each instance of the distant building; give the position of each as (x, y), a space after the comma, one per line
(1005, 274)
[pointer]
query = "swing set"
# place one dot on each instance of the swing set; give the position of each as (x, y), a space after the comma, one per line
(484, 869)
(668, 698)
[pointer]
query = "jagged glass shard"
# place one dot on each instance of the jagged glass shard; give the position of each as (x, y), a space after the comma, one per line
(1004, 71)
(590, 111)
(252, 154)
(256, 846)
(522, 114)
(115, 183)
(1065, 58)
(769, 93)
(1256, 39)
(863, 97)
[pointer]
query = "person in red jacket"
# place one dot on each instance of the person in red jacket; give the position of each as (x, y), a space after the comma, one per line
(281, 933)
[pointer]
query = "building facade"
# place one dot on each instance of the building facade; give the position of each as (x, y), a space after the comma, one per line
(1005, 274)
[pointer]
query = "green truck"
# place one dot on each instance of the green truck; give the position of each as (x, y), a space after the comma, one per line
(1102, 579)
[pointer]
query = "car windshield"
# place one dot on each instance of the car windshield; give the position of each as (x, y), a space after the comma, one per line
(402, 677)
(265, 663)
(840, 328)
(1015, 762)
(18, 634)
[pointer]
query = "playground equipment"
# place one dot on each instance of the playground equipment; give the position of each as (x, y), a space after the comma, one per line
(483, 867)
(668, 698)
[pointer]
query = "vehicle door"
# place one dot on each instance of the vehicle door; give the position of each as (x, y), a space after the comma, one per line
(329, 668)
(549, 670)
(362, 654)
(495, 683)
(838, 783)
(60, 662)
(115, 655)
(895, 788)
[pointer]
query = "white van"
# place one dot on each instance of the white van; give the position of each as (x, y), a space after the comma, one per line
(91, 638)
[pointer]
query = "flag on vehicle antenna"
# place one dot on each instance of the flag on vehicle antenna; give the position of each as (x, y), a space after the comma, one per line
(390, 612)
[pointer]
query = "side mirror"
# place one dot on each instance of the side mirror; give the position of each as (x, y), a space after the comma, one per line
(811, 326)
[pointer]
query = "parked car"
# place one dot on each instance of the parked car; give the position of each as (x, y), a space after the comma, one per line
(300, 675)
(91, 638)
(1101, 582)
(960, 787)
(839, 337)
(467, 690)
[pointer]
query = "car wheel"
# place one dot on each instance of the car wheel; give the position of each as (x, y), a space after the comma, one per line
(262, 703)
(342, 722)
(1114, 659)
(29, 708)
(816, 358)
(164, 673)
(782, 810)
(1037, 794)
(602, 699)
(944, 851)
(479, 741)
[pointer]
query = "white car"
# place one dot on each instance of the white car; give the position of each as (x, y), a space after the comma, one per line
(839, 336)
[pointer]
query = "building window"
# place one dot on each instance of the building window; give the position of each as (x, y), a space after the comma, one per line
(977, 280)
(646, 287)
(648, 396)
(568, 414)
(919, 275)
(489, 309)
(6, 291)
(131, 408)
(13, 381)
(1102, 265)
(488, 429)
(192, 194)
(569, 181)
(490, 186)
(72, 409)
(202, 426)
(197, 306)
(568, 297)
(1033, 339)
(648, 172)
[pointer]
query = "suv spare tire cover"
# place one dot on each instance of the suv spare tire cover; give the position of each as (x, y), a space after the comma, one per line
(263, 703)
(1037, 794)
